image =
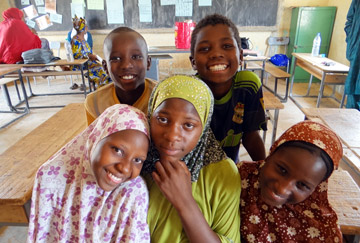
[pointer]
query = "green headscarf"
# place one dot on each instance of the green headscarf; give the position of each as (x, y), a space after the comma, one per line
(199, 95)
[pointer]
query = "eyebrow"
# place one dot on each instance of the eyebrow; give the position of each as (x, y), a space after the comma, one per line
(164, 112)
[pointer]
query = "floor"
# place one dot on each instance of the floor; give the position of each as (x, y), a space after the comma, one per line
(290, 115)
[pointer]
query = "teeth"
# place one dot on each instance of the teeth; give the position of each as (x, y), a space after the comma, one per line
(128, 77)
(219, 67)
(114, 178)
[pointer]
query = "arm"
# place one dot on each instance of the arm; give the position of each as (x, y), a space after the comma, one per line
(349, 19)
(254, 145)
(173, 179)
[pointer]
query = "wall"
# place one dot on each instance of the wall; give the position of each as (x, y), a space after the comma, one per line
(257, 36)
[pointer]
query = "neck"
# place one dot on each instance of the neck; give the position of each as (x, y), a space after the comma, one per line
(129, 97)
(219, 90)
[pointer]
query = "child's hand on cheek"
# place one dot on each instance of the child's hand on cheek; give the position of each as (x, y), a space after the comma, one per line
(174, 181)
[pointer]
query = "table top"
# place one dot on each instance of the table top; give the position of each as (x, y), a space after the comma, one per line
(60, 62)
(320, 62)
(166, 50)
(344, 197)
(6, 70)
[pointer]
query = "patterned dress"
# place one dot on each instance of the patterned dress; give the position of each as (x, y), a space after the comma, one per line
(81, 49)
(69, 206)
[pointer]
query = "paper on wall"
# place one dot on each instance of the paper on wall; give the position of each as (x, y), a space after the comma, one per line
(167, 2)
(145, 12)
(43, 22)
(183, 8)
(41, 10)
(115, 11)
(39, 2)
(78, 9)
(50, 6)
(95, 4)
(205, 2)
(30, 12)
(30, 23)
(25, 2)
(56, 18)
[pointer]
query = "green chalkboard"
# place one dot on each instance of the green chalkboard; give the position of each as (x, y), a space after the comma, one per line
(241, 12)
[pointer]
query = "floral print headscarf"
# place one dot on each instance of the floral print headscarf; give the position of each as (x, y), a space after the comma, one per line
(79, 24)
(197, 93)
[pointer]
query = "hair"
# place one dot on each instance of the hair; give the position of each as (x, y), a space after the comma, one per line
(213, 20)
(314, 150)
(123, 30)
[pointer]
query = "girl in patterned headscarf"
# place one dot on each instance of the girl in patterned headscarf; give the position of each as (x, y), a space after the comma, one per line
(284, 198)
(90, 190)
(81, 49)
(194, 188)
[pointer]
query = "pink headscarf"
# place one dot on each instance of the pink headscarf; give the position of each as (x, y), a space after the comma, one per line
(69, 206)
(12, 13)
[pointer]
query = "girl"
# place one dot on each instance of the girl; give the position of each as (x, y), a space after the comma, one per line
(81, 49)
(90, 190)
(193, 186)
(284, 198)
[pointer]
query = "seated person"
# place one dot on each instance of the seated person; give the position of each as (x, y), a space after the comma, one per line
(15, 37)
(81, 49)
(90, 190)
(284, 198)
(87, 36)
(126, 61)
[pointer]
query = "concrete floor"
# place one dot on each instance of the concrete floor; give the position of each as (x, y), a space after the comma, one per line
(290, 115)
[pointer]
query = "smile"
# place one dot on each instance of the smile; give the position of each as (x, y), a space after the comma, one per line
(127, 77)
(114, 178)
(218, 67)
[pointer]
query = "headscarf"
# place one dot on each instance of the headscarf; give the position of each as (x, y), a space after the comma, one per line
(67, 204)
(199, 95)
(79, 24)
(12, 13)
(316, 134)
(312, 220)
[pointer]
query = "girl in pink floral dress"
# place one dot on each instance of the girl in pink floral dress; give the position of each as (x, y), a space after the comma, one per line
(284, 198)
(90, 190)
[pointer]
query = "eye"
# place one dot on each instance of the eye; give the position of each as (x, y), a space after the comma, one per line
(203, 49)
(115, 59)
(302, 186)
(162, 120)
(119, 151)
(228, 46)
(281, 170)
(137, 57)
(138, 161)
(189, 126)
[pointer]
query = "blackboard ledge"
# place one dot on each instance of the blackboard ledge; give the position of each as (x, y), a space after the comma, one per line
(159, 30)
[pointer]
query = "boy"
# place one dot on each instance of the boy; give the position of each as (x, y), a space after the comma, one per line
(126, 61)
(239, 111)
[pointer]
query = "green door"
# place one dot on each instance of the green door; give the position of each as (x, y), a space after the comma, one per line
(306, 22)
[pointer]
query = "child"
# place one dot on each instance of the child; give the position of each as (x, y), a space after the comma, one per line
(192, 184)
(90, 190)
(284, 198)
(239, 108)
(126, 62)
(81, 49)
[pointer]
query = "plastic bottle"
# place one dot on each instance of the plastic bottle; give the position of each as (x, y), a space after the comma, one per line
(69, 54)
(316, 45)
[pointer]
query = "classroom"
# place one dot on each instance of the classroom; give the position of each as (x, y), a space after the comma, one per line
(284, 107)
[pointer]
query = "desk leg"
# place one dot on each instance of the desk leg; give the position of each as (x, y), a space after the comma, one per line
(322, 84)
(6, 94)
(83, 79)
(275, 123)
(292, 77)
(309, 85)
(262, 71)
(24, 90)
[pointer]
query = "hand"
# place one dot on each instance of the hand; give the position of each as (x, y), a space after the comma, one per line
(92, 57)
(174, 180)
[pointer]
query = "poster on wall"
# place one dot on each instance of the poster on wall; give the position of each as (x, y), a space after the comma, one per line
(43, 22)
(50, 6)
(30, 12)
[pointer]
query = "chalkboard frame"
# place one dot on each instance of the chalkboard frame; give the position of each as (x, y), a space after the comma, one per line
(246, 14)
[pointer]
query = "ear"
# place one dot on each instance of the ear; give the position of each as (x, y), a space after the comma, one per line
(148, 63)
(241, 57)
(104, 64)
(193, 64)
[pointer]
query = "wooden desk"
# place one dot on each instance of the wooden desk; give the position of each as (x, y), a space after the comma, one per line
(166, 50)
(3, 83)
(344, 197)
(335, 74)
(271, 102)
(79, 62)
(251, 59)
(21, 161)
(153, 72)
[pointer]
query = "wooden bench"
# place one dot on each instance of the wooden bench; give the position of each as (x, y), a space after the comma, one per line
(271, 102)
(277, 73)
(20, 162)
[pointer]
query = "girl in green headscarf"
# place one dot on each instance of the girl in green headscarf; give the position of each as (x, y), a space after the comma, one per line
(194, 188)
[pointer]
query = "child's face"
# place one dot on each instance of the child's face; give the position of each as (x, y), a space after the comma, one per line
(175, 128)
(216, 54)
(290, 175)
(126, 60)
(119, 157)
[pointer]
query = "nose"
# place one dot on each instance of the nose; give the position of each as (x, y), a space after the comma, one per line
(216, 53)
(124, 167)
(173, 133)
(284, 188)
(126, 63)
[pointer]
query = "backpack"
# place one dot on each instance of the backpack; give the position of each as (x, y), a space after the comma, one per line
(38, 56)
